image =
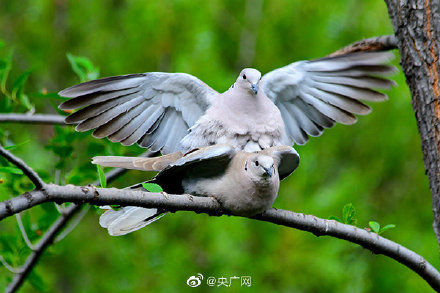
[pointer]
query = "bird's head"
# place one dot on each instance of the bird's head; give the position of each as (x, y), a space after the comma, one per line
(249, 79)
(260, 167)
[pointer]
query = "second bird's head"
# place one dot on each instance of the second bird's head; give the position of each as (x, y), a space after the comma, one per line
(249, 79)
(260, 167)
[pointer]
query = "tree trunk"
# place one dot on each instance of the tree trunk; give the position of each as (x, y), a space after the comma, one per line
(417, 27)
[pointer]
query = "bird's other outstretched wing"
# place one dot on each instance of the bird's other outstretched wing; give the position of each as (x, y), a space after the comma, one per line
(152, 109)
(313, 95)
(287, 159)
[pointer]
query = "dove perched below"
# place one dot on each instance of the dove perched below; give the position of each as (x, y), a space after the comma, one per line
(243, 183)
(171, 112)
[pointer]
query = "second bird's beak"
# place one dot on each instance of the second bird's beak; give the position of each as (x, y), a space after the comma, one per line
(254, 87)
(268, 171)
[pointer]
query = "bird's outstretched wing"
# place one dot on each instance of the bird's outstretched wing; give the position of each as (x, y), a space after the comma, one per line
(313, 95)
(153, 109)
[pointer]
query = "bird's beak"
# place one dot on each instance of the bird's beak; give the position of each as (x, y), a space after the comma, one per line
(268, 171)
(254, 87)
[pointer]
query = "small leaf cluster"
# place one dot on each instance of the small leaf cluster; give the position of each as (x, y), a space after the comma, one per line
(14, 97)
(83, 67)
(349, 217)
(375, 227)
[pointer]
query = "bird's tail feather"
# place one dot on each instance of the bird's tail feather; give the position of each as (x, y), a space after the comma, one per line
(128, 219)
(138, 163)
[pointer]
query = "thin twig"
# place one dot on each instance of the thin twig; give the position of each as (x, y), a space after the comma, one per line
(9, 267)
(73, 224)
(31, 174)
(33, 118)
(23, 232)
(317, 226)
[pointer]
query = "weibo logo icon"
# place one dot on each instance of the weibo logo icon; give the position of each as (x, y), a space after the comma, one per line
(195, 281)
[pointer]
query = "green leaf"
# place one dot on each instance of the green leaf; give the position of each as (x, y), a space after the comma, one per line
(152, 187)
(4, 71)
(10, 147)
(375, 226)
(335, 218)
(349, 214)
(386, 227)
(101, 175)
(18, 88)
(18, 84)
(83, 67)
(12, 170)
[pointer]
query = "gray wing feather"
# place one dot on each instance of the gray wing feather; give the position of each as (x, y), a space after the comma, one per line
(330, 111)
(108, 84)
(132, 108)
(313, 95)
(295, 133)
(304, 122)
(316, 116)
(114, 125)
(109, 114)
(156, 139)
(340, 101)
(95, 98)
(135, 129)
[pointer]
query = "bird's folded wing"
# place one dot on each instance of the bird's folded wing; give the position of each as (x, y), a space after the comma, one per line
(205, 162)
(153, 109)
(288, 159)
(313, 95)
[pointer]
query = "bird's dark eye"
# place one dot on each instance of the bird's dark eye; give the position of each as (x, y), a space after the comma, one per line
(244, 76)
(256, 163)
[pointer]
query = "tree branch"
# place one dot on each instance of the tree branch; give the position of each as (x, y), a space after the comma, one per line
(380, 43)
(417, 28)
(173, 203)
(33, 176)
(34, 118)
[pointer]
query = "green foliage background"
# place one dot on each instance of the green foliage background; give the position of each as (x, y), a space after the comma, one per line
(375, 164)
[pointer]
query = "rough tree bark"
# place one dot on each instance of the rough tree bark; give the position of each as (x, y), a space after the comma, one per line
(417, 27)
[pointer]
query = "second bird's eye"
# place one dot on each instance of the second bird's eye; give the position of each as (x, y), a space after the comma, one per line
(244, 76)
(256, 163)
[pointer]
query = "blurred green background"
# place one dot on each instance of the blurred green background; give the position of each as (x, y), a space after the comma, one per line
(375, 164)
